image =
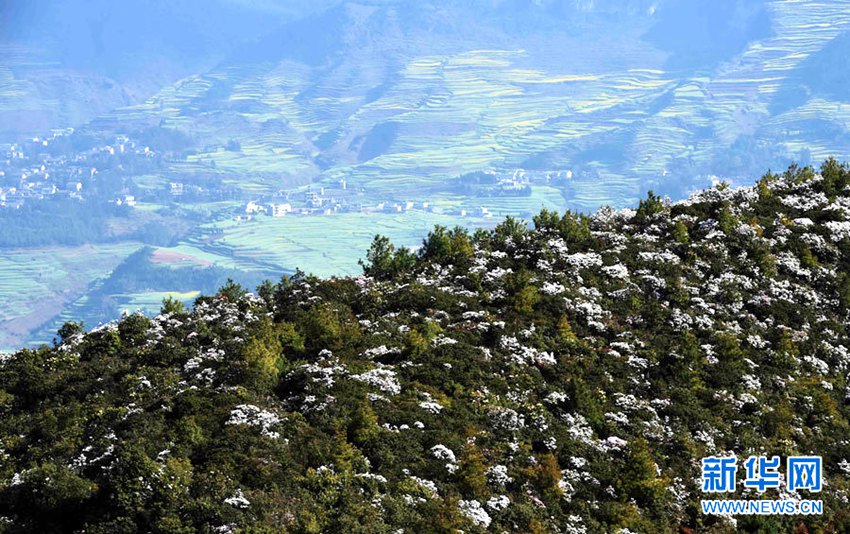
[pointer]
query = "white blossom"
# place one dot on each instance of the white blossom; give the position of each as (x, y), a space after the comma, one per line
(472, 509)
(441, 452)
(383, 379)
(250, 415)
(498, 503)
(238, 500)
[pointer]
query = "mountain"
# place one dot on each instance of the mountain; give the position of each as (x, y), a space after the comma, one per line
(636, 95)
(561, 378)
(63, 65)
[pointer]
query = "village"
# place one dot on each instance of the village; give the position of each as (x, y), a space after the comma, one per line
(339, 198)
(48, 168)
(60, 166)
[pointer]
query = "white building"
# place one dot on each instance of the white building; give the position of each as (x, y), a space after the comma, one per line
(253, 207)
(279, 210)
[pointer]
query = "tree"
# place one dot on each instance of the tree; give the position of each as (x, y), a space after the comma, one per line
(836, 176)
(525, 299)
(171, 305)
(70, 329)
(640, 480)
(510, 228)
(472, 473)
(565, 332)
(329, 326)
(649, 208)
(379, 258)
(263, 356)
(232, 291)
(385, 262)
(363, 425)
(573, 227)
(680, 233)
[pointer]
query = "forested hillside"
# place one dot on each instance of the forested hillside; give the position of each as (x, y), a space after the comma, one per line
(561, 378)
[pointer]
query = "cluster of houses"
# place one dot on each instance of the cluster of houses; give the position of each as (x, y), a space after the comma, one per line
(509, 182)
(17, 196)
(315, 203)
(272, 209)
(337, 198)
(179, 189)
(30, 172)
(35, 171)
(519, 178)
(126, 200)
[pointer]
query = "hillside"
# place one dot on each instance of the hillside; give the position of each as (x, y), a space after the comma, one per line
(561, 378)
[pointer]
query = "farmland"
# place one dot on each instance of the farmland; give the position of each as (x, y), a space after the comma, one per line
(393, 118)
(34, 282)
(326, 246)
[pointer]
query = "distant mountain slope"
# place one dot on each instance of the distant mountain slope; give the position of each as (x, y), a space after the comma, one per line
(575, 85)
(565, 378)
(63, 63)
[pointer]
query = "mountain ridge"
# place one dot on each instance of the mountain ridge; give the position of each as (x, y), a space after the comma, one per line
(560, 378)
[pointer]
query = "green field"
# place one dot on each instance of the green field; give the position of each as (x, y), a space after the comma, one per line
(327, 245)
(151, 302)
(201, 257)
(36, 283)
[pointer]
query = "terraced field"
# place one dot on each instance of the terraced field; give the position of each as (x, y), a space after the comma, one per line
(35, 284)
(542, 196)
(151, 302)
(634, 122)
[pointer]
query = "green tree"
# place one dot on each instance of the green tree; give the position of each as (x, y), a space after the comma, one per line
(172, 306)
(836, 177)
(232, 291)
(70, 329)
(649, 208)
(385, 262)
(679, 233)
